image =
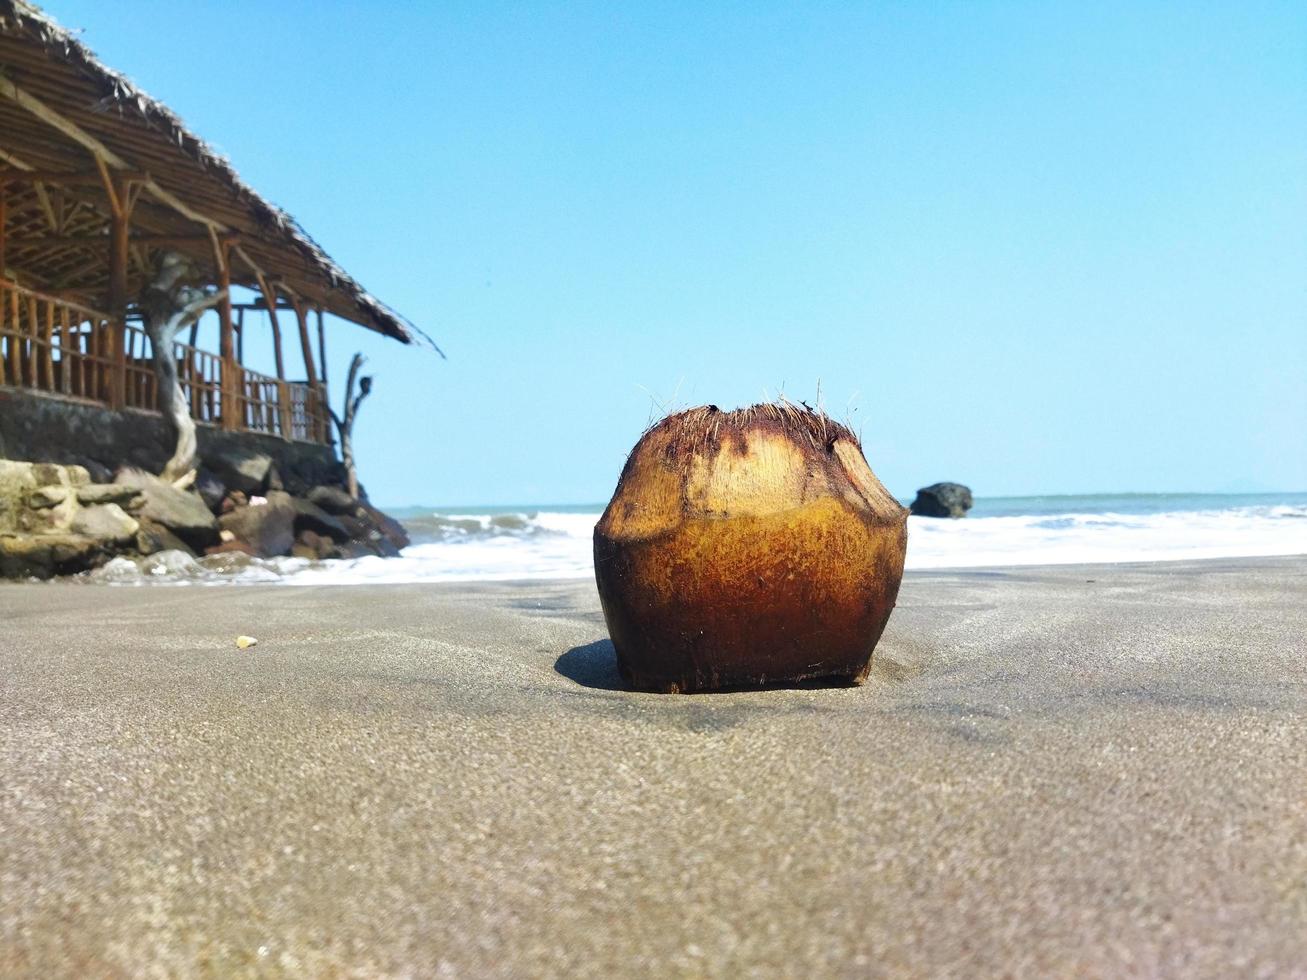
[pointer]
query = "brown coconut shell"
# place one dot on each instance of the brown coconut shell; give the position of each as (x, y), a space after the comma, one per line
(747, 547)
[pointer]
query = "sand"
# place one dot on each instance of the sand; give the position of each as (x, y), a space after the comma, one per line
(1090, 771)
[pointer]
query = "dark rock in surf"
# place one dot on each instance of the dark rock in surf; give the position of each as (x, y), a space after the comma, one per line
(942, 500)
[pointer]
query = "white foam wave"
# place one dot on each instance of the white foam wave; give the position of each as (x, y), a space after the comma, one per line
(557, 545)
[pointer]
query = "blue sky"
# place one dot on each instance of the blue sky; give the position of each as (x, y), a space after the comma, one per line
(1036, 248)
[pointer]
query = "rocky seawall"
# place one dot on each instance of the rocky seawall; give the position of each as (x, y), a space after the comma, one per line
(58, 519)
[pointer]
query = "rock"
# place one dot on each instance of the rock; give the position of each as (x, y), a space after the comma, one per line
(245, 471)
(267, 531)
(105, 522)
(333, 500)
(153, 538)
(181, 512)
(942, 500)
(309, 515)
(96, 472)
(353, 549)
(314, 545)
(43, 497)
(147, 458)
(234, 499)
(108, 493)
(51, 473)
(211, 489)
(229, 547)
(47, 555)
(391, 529)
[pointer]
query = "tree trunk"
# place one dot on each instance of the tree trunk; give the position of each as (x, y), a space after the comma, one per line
(345, 426)
(167, 305)
(173, 404)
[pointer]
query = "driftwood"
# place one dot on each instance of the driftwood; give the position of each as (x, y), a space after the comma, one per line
(168, 303)
(345, 426)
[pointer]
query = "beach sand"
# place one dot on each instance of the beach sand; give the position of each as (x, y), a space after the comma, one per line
(1092, 771)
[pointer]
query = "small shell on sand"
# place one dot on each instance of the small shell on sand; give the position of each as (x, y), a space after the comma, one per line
(245, 642)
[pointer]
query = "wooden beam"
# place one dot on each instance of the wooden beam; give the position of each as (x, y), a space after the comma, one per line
(3, 216)
(92, 241)
(102, 154)
(15, 162)
(270, 304)
(27, 174)
(310, 371)
(47, 208)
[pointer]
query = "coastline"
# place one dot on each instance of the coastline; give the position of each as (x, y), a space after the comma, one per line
(1060, 770)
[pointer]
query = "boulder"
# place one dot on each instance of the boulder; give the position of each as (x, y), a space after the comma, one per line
(234, 499)
(108, 493)
(240, 470)
(181, 512)
(266, 531)
(333, 500)
(942, 500)
(43, 497)
(309, 516)
(153, 538)
(48, 555)
(105, 522)
(391, 529)
(96, 471)
(211, 489)
(232, 547)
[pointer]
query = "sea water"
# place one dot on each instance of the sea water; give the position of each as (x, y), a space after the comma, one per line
(546, 542)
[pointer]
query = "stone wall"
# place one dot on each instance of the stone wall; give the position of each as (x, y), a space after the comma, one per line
(53, 430)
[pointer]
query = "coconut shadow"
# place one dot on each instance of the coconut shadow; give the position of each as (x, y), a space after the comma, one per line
(594, 665)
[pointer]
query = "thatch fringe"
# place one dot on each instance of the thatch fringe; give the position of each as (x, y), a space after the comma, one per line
(708, 424)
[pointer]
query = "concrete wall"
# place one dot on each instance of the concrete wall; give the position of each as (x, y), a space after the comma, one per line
(51, 430)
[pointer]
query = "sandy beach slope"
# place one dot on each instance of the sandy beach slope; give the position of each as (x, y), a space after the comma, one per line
(1092, 771)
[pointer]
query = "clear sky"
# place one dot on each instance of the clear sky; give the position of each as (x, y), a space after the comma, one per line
(1033, 247)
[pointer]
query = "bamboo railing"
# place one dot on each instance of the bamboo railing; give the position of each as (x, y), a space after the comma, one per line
(54, 346)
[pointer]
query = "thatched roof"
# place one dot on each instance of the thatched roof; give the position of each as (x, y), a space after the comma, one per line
(61, 109)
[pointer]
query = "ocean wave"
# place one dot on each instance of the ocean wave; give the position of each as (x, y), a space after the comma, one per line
(505, 546)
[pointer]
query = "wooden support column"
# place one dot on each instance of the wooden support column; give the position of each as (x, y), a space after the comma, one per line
(316, 397)
(322, 350)
(230, 381)
(113, 385)
(284, 421)
(302, 315)
(4, 188)
(270, 301)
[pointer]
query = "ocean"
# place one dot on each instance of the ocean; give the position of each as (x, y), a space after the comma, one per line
(459, 544)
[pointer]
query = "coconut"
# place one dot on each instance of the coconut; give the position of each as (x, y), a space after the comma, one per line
(747, 547)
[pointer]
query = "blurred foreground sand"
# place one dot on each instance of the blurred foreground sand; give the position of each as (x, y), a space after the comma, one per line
(1093, 771)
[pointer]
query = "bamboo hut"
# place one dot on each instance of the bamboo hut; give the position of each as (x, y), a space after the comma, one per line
(95, 178)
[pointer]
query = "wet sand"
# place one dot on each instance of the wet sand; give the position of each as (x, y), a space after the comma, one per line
(1090, 771)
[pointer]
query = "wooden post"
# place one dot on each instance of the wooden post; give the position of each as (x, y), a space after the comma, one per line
(302, 315)
(119, 230)
(240, 335)
(11, 341)
(283, 398)
(322, 350)
(315, 402)
(229, 376)
(47, 347)
(4, 187)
